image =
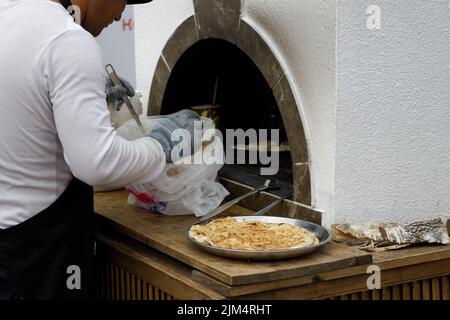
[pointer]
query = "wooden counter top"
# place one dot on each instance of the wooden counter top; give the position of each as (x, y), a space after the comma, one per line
(165, 234)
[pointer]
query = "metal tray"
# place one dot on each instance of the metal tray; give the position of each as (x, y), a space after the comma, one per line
(266, 255)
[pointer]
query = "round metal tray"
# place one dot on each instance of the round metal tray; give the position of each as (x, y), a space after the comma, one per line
(320, 232)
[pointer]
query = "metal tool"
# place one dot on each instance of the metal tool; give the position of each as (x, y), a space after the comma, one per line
(273, 204)
(231, 203)
(116, 81)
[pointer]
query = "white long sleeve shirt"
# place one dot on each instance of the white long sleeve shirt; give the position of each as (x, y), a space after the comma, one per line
(54, 122)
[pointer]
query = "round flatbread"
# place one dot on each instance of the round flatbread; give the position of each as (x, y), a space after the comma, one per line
(229, 233)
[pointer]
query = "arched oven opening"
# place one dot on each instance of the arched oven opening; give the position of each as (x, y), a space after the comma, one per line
(216, 73)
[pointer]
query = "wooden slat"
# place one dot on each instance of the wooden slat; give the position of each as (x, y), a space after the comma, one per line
(386, 293)
(133, 287)
(100, 278)
(355, 296)
(358, 283)
(445, 283)
(416, 290)
(426, 289)
(406, 291)
(155, 268)
(411, 256)
(145, 291)
(365, 295)
(396, 292)
(116, 283)
(105, 282)
(122, 284)
(138, 289)
(126, 284)
(436, 288)
(110, 282)
(151, 292)
(165, 234)
(376, 294)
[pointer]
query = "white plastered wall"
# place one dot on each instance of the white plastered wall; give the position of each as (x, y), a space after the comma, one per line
(155, 23)
(302, 33)
(393, 116)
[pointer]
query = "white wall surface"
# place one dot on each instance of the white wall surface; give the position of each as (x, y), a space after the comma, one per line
(118, 46)
(393, 116)
(155, 23)
(303, 35)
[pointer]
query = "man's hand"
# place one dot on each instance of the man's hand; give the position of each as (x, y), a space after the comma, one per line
(165, 128)
(115, 94)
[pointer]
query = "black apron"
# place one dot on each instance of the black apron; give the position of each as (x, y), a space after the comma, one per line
(41, 255)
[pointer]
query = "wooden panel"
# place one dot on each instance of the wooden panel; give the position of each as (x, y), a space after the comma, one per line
(376, 294)
(386, 293)
(156, 269)
(426, 290)
(116, 282)
(150, 292)
(165, 234)
(406, 291)
(436, 289)
(401, 292)
(144, 290)
(417, 290)
(355, 296)
(122, 284)
(396, 292)
(445, 283)
(138, 288)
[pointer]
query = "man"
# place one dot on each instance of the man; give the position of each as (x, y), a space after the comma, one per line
(56, 141)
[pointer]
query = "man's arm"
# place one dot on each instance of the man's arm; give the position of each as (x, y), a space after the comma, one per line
(75, 74)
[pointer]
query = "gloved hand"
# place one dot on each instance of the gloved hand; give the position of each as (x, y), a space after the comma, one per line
(115, 94)
(163, 131)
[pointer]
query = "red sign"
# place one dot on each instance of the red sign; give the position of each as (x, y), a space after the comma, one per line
(127, 24)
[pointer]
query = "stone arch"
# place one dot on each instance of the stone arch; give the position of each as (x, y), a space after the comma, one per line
(221, 19)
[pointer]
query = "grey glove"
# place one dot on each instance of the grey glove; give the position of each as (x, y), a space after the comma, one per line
(163, 131)
(115, 94)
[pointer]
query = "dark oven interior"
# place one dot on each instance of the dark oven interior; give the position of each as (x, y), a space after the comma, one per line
(216, 72)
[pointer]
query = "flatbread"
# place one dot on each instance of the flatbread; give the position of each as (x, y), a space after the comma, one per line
(229, 233)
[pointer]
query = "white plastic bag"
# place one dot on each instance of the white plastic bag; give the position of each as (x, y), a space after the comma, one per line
(181, 189)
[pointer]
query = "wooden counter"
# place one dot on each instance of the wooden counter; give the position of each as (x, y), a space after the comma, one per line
(143, 255)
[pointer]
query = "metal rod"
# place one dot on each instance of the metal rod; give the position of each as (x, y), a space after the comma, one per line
(116, 81)
(273, 204)
(231, 203)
